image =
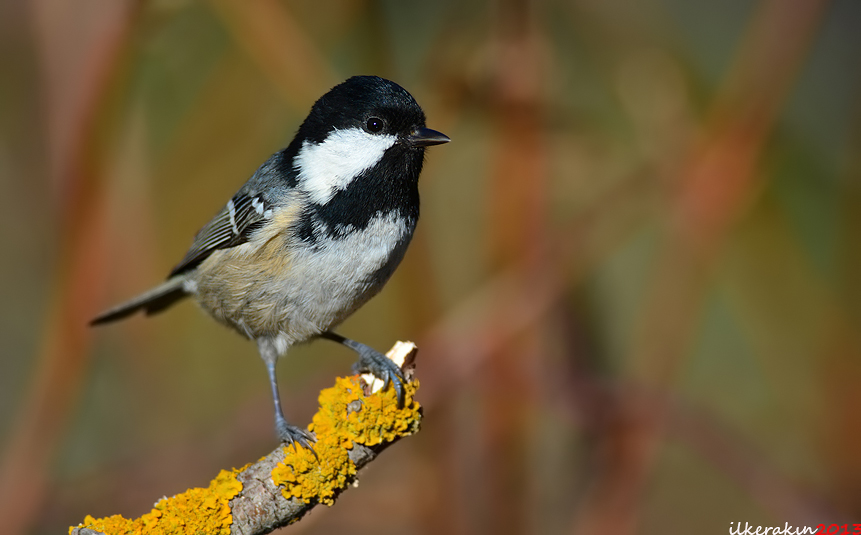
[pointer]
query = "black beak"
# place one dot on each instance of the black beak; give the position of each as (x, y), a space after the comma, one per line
(425, 137)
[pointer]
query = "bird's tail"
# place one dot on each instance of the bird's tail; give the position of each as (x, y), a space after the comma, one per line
(150, 302)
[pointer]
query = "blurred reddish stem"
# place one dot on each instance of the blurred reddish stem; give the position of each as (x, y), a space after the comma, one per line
(79, 66)
(717, 179)
(517, 199)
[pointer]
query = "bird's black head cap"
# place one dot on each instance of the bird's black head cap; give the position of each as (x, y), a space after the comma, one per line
(369, 102)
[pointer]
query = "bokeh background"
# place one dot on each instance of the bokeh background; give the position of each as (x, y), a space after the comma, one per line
(635, 283)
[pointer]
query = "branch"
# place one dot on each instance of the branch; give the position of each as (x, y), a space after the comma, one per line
(355, 422)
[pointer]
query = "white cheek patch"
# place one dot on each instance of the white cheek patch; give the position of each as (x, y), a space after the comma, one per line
(330, 166)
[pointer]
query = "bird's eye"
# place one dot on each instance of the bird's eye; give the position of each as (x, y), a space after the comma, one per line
(374, 125)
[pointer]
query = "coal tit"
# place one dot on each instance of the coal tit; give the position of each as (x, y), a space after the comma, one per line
(316, 231)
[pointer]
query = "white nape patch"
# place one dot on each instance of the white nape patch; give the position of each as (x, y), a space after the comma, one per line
(330, 166)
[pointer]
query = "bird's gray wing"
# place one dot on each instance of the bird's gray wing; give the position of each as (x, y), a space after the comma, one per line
(243, 214)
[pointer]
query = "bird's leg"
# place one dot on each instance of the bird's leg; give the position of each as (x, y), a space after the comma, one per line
(374, 362)
(287, 433)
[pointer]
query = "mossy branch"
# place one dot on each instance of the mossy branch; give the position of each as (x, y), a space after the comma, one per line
(355, 422)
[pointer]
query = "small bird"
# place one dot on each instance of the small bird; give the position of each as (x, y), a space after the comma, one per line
(316, 232)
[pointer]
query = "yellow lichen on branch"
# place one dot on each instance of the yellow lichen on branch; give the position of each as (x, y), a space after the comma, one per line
(351, 428)
(346, 417)
(194, 511)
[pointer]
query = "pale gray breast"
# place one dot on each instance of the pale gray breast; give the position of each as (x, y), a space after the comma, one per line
(278, 287)
(337, 274)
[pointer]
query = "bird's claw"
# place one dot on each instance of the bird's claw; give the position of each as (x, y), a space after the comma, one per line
(385, 370)
(295, 436)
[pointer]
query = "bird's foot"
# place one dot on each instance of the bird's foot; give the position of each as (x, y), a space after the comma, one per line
(381, 367)
(293, 435)
(373, 362)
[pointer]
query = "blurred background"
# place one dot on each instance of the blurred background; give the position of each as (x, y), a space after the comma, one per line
(634, 284)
